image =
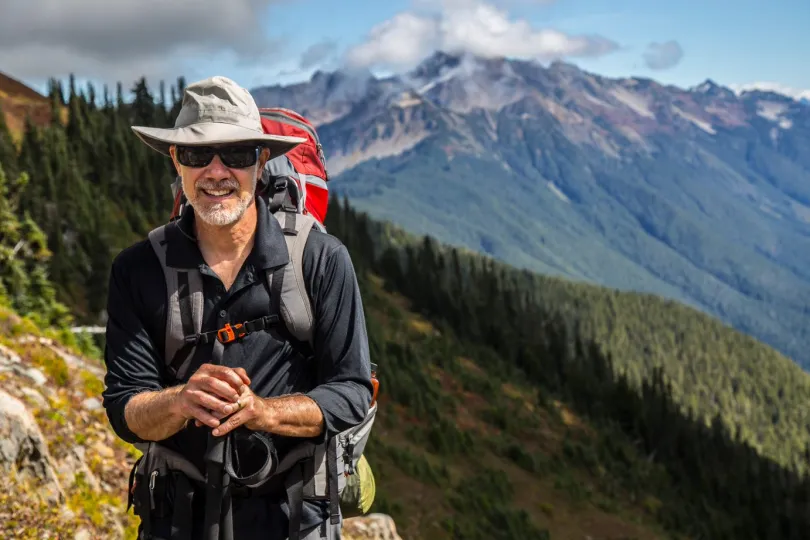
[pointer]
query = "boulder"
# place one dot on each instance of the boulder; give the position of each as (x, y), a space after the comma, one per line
(370, 527)
(23, 450)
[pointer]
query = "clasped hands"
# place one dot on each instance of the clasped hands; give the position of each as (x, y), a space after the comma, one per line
(215, 392)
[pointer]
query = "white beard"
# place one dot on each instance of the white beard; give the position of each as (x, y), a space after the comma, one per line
(220, 215)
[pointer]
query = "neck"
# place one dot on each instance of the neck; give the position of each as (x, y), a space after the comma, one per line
(227, 242)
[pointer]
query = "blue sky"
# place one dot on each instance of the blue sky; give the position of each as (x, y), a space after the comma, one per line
(739, 41)
(261, 42)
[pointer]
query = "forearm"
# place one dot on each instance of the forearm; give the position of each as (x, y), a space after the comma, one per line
(295, 415)
(153, 416)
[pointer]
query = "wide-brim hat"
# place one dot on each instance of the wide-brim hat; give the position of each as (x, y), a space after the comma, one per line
(216, 111)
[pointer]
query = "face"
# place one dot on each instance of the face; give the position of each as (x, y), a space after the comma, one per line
(219, 190)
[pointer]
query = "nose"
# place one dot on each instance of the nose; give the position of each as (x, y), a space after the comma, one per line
(217, 170)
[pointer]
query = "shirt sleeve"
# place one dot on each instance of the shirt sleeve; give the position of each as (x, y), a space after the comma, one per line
(132, 361)
(340, 342)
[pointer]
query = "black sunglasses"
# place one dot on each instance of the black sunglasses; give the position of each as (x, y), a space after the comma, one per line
(235, 157)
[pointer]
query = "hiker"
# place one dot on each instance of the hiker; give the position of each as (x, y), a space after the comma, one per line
(255, 395)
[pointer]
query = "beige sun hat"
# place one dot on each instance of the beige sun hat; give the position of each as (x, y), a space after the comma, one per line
(216, 111)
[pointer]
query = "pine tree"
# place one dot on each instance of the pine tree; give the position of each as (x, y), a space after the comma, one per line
(24, 254)
(8, 152)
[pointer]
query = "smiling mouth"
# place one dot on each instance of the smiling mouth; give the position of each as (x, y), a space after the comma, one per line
(218, 193)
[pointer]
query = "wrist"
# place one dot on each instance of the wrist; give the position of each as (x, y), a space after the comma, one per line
(269, 415)
(174, 405)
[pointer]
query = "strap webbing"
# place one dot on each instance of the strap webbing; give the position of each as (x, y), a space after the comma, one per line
(280, 193)
(289, 224)
(215, 479)
(183, 509)
(332, 482)
(184, 296)
(295, 499)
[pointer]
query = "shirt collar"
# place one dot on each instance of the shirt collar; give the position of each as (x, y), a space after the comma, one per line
(269, 248)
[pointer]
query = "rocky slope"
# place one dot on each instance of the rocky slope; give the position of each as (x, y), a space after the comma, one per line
(65, 473)
(700, 194)
(18, 101)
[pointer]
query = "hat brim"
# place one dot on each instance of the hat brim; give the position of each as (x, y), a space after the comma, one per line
(212, 134)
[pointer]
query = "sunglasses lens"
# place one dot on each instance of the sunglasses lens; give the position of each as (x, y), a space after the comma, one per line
(194, 156)
(238, 157)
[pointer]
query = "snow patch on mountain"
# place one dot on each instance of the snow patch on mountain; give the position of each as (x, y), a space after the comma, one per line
(702, 124)
(633, 100)
(554, 189)
(771, 110)
(380, 146)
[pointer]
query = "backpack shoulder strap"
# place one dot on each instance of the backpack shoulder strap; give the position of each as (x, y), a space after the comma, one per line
(295, 303)
(184, 308)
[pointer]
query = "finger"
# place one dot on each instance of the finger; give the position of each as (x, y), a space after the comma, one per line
(228, 375)
(243, 374)
(204, 417)
(233, 422)
(218, 387)
(212, 403)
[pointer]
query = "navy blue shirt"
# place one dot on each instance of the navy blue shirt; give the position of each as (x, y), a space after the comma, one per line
(336, 374)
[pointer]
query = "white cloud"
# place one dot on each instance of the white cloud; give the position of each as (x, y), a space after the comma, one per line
(768, 86)
(663, 55)
(400, 41)
(473, 26)
(124, 39)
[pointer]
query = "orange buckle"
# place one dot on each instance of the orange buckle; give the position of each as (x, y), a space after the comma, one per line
(230, 333)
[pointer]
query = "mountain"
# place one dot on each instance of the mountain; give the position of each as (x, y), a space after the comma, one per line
(18, 101)
(700, 195)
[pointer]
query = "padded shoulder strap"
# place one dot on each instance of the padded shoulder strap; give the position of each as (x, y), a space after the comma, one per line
(296, 306)
(184, 307)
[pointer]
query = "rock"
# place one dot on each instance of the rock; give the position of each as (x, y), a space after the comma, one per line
(103, 450)
(7, 356)
(67, 514)
(370, 527)
(23, 449)
(91, 404)
(35, 397)
(73, 465)
(36, 376)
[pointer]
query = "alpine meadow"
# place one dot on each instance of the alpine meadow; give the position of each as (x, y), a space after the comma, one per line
(515, 401)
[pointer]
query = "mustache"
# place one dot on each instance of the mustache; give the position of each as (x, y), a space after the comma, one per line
(230, 183)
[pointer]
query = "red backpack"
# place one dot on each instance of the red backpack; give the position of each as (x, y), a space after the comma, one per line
(300, 173)
(305, 163)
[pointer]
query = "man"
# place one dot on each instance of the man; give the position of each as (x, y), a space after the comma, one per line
(262, 383)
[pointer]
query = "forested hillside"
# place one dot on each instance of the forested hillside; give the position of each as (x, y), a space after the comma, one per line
(611, 410)
(669, 433)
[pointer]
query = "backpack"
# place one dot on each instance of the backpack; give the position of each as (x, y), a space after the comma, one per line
(305, 163)
(336, 469)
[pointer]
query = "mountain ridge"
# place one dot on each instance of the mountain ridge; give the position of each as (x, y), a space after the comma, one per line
(702, 194)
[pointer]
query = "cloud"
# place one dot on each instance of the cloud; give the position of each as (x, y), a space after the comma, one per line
(472, 26)
(125, 39)
(768, 86)
(317, 53)
(400, 41)
(663, 55)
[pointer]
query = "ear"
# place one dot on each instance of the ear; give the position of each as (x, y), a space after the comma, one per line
(173, 154)
(264, 156)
